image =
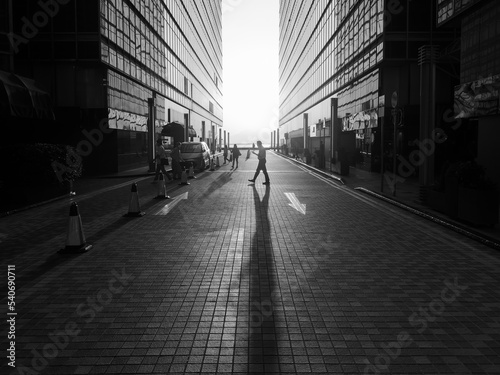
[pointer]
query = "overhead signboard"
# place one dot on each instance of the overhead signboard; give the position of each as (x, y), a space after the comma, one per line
(477, 98)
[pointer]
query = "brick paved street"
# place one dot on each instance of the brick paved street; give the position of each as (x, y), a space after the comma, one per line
(303, 276)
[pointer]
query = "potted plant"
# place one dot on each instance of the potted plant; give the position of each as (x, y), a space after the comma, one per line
(477, 195)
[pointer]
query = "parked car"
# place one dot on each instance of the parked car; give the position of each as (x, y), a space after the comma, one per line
(196, 152)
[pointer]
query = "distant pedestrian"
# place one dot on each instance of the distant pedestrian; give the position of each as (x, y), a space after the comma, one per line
(253, 146)
(176, 161)
(225, 154)
(161, 160)
(236, 154)
(262, 164)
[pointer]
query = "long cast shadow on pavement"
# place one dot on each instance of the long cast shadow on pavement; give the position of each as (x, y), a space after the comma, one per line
(221, 180)
(263, 352)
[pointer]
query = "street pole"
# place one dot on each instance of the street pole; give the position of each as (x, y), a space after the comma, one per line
(394, 103)
(394, 149)
(151, 131)
(382, 155)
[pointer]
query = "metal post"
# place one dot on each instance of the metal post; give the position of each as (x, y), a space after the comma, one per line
(323, 163)
(151, 132)
(334, 141)
(186, 127)
(427, 61)
(11, 33)
(382, 155)
(394, 163)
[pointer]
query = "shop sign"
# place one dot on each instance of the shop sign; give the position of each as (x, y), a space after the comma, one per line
(477, 98)
(126, 121)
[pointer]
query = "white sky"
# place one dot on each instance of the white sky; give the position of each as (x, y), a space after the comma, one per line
(250, 71)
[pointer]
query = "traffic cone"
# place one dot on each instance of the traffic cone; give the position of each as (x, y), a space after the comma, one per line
(162, 188)
(191, 171)
(217, 163)
(212, 166)
(133, 209)
(75, 239)
(184, 178)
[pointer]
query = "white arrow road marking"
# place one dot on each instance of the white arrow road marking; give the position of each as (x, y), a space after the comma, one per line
(295, 203)
(169, 206)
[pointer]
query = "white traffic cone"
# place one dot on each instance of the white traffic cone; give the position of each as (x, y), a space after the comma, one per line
(191, 171)
(184, 178)
(162, 188)
(134, 210)
(212, 164)
(75, 239)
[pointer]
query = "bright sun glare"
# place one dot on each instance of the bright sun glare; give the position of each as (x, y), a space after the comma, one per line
(250, 42)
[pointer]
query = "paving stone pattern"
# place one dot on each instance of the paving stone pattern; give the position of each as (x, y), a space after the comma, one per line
(235, 280)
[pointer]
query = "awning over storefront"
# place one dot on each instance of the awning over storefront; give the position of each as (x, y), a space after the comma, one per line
(176, 128)
(172, 127)
(20, 97)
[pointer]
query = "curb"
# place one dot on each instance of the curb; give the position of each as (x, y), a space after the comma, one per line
(34, 205)
(67, 195)
(319, 171)
(485, 240)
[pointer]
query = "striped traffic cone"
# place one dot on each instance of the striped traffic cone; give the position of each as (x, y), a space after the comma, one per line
(162, 188)
(75, 239)
(134, 210)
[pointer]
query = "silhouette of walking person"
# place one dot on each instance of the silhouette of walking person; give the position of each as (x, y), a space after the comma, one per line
(225, 154)
(236, 154)
(262, 164)
(161, 160)
(176, 161)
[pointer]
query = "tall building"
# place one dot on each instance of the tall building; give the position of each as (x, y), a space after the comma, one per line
(111, 68)
(476, 97)
(362, 64)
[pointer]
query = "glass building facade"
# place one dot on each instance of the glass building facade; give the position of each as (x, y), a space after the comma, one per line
(123, 60)
(344, 60)
(476, 97)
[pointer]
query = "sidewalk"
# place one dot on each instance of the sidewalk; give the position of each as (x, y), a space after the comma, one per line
(300, 276)
(407, 197)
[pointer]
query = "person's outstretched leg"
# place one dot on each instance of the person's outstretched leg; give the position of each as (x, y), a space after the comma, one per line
(255, 175)
(264, 170)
